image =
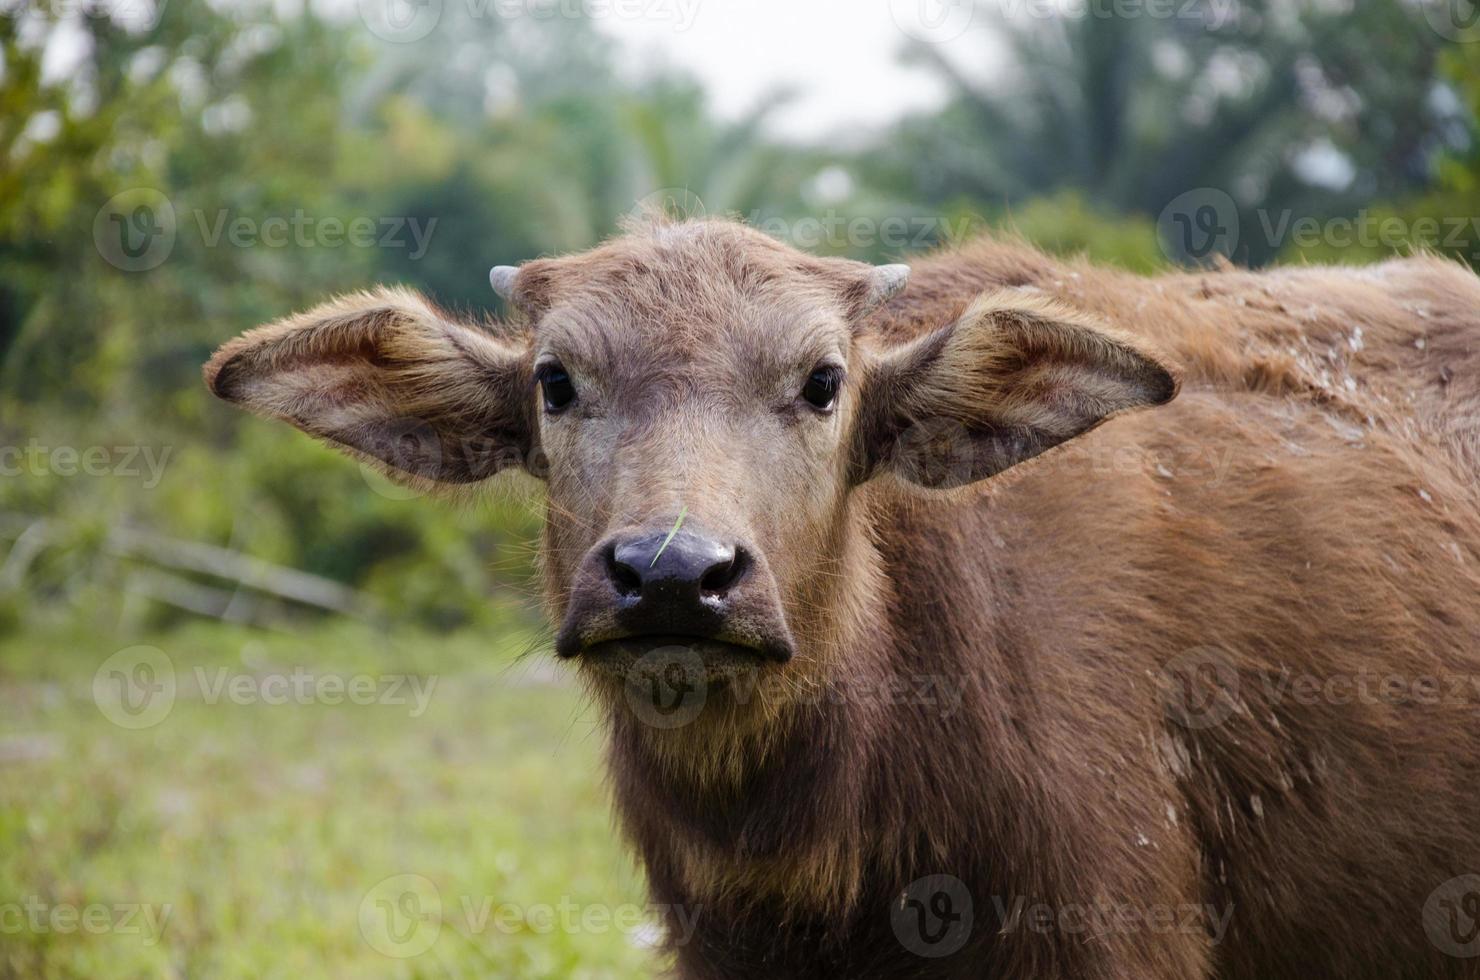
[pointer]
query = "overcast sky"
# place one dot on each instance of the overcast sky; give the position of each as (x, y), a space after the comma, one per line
(843, 55)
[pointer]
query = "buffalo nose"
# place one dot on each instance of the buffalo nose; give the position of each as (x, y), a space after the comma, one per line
(683, 566)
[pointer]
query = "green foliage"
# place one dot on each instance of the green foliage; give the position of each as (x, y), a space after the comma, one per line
(259, 834)
(1135, 110)
(266, 132)
(1066, 224)
(1444, 220)
(269, 135)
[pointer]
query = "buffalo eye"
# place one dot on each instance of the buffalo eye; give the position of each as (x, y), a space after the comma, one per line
(821, 389)
(557, 388)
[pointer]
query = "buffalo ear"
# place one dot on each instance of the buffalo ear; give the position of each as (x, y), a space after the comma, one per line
(388, 378)
(1007, 381)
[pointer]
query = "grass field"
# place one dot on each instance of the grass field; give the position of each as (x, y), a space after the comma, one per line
(445, 818)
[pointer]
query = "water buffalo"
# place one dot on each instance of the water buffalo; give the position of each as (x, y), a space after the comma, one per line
(1002, 616)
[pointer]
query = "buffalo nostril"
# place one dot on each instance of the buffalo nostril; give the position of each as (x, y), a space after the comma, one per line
(666, 568)
(626, 579)
(721, 576)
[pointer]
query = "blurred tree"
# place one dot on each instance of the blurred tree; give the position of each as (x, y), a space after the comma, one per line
(1307, 107)
(228, 133)
(257, 132)
(729, 167)
(1446, 219)
(500, 131)
(211, 116)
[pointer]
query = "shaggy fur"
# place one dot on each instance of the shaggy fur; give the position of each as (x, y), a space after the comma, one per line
(1192, 695)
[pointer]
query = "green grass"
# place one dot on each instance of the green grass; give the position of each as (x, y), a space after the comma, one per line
(269, 830)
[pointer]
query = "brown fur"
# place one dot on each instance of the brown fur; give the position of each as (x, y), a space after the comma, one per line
(1306, 508)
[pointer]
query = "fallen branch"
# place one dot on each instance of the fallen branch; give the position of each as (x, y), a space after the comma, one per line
(32, 534)
(253, 573)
